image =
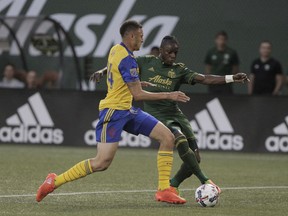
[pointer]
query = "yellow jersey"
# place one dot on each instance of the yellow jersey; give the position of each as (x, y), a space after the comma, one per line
(122, 68)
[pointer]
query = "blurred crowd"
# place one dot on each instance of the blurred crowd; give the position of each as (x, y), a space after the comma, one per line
(13, 78)
(266, 73)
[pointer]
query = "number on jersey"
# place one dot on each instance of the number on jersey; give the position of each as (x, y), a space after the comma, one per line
(110, 76)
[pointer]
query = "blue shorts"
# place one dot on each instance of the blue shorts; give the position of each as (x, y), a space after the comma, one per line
(113, 122)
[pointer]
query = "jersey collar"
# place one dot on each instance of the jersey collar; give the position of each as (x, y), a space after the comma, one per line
(122, 44)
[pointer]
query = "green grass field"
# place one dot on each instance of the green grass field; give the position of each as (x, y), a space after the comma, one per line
(253, 184)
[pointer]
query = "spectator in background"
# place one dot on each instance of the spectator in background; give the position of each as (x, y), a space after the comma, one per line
(50, 80)
(32, 81)
(266, 72)
(221, 60)
(9, 80)
(155, 51)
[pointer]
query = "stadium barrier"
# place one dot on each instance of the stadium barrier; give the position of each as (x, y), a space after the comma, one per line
(222, 123)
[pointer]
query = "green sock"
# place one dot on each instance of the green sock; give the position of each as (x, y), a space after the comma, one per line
(183, 173)
(191, 163)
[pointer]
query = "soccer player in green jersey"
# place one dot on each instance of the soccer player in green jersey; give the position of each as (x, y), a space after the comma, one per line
(162, 74)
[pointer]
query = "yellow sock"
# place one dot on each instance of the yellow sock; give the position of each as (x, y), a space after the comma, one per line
(164, 164)
(80, 170)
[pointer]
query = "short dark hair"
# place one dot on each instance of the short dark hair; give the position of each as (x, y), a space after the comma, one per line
(221, 33)
(129, 25)
(265, 41)
(169, 39)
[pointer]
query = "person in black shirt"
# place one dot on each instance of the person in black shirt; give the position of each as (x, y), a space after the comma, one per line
(266, 72)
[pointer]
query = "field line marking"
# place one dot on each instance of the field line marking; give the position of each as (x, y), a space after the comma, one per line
(139, 191)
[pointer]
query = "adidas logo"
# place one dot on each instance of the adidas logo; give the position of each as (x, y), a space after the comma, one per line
(128, 140)
(280, 141)
(31, 124)
(213, 129)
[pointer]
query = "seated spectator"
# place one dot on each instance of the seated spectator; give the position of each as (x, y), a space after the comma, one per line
(266, 72)
(32, 81)
(50, 80)
(155, 51)
(9, 80)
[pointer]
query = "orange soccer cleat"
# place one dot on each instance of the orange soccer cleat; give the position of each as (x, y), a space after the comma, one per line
(175, 190)
(217, 187)
(169, 195)
(47, 187)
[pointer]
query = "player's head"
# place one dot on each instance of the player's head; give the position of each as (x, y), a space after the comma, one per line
(221, 39)
(9, 71)
(265, 49)
(132, 34)
(168, 49)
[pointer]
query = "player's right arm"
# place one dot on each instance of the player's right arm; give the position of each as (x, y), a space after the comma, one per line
(139, 94)
(98, 75)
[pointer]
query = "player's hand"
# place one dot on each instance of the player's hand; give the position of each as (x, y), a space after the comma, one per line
(147, 84)
(179, 96)
(240, 78)
(97, 76)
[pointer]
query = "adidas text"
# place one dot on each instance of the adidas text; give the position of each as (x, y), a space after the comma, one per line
(36, 134)
(277, 144)
(219, 141)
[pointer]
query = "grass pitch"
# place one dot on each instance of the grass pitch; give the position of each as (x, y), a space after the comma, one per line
(253, 184)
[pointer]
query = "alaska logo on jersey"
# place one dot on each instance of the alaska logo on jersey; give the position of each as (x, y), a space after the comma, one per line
(161, 82)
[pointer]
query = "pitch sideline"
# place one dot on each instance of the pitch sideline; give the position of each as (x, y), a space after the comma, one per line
(139, 191)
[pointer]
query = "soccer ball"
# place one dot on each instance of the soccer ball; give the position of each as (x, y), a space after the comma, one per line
(207, 195)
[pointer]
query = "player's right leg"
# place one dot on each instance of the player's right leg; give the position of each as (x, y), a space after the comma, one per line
(143, 123)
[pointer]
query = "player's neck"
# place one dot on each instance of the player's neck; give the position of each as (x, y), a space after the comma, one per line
(221, 48)
(264, 58)
(128, 46)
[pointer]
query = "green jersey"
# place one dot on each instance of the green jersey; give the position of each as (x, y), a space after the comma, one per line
(167, 78)
(221, 62)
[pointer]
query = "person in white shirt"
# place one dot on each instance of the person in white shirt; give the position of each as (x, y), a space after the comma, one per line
(8, 80)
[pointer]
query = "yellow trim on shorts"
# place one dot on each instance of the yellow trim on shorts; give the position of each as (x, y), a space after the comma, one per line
(106, 121)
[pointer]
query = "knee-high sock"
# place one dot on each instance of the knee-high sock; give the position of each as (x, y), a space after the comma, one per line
(183, 173)
(80, 170)
(188, 157)
(164, 164)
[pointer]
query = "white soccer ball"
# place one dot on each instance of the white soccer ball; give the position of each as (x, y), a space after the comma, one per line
(207, 195)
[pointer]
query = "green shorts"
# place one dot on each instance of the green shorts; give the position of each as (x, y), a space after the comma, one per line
(177, 120)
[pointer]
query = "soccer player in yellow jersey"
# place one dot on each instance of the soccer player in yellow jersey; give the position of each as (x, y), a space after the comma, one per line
(117, 114)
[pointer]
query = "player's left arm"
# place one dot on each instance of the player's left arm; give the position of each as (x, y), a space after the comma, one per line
(217, 80)
(191, 77)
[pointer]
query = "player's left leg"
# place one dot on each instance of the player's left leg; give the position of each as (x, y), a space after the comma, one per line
(109, 120)
(103, 159)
